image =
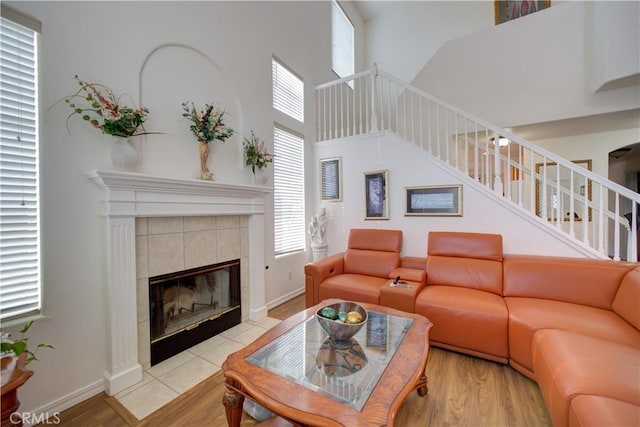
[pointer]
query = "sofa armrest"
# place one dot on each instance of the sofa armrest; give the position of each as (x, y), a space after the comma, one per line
(409, 274)
(317, 272)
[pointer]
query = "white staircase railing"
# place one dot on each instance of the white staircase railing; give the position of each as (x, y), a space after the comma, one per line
(563, 194)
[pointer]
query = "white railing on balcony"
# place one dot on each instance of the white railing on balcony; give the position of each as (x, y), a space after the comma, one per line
(563, 194)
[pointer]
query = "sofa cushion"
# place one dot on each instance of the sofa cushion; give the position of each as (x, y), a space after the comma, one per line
(466, 319)
(370, 263)
(568, 364)
(353, 287)
(597, 411)
(467, 260)
(626, 303)
(574, 280)
(375, 240)
(465, 273)
(527, 315)
(465, 245)
(373, 252)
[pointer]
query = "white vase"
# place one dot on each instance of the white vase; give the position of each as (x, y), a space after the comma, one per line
(260, 177)
(123, 155)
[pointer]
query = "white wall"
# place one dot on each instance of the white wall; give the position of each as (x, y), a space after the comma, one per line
(227, 60)
(615, 56)
(403, 38)
(532, 69)
(408, 166)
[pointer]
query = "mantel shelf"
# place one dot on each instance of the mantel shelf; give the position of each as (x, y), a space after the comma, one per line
(138, 181)
(135, 195)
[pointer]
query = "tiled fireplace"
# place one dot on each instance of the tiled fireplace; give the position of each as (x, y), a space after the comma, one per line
(188, 223)
(167, 246)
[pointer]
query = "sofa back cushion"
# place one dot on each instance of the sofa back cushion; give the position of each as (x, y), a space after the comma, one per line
(469, 260)
(373, 252)
(625, 303)
(583, 281)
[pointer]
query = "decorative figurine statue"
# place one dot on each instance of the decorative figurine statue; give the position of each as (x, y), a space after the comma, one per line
(317, 232)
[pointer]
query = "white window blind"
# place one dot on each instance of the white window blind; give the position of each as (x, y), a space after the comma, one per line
(288, 92)
(20, 291)
(288, 192)
(342, 44)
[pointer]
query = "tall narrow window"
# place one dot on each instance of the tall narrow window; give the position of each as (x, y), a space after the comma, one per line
(288, 92)
(342, 44)
(288, 191)
(20, 292)
(288, 163)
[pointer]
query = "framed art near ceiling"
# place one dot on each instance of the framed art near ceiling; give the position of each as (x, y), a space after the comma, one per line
(506, 10)
(555, 197)
(434, 200)
(331, 179)
(376, 195)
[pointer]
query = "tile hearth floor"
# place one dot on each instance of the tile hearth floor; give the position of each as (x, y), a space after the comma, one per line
(168, 379)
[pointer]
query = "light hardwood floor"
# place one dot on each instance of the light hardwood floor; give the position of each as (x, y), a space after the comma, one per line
(463, 391)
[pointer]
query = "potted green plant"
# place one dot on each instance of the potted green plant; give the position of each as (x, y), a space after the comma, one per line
(14, 348)
(96, 104)
(256, 154)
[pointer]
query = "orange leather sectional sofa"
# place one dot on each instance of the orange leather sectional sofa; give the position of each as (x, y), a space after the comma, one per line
(570, 324)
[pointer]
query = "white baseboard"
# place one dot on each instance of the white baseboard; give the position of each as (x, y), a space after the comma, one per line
(276, 302)
(50, 410)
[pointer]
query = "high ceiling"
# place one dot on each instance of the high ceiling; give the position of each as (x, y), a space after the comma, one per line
(371, 9)
(555, 129)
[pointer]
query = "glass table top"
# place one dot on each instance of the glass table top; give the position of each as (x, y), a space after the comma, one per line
(305, 355)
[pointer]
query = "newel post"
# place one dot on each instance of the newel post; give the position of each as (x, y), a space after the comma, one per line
(374, 81)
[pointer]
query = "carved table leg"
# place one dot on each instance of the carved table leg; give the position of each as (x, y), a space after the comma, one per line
(232, 401)
(421, 386)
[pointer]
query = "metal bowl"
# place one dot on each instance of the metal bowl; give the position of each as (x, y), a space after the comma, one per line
(339, 332)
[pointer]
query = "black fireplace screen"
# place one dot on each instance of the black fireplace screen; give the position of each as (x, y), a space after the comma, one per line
(192, 305)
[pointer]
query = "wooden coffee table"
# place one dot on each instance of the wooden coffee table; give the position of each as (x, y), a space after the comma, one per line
(294, 371)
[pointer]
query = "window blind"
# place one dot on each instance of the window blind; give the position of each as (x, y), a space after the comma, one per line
(288, 92)
(288, 192)
(342, 44)
(20, 291)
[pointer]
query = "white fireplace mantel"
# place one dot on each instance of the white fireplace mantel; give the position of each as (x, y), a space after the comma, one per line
(130, 195)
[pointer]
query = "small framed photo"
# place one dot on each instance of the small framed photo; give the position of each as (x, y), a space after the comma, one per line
(376, 195)
(436, 200)
(331, 179)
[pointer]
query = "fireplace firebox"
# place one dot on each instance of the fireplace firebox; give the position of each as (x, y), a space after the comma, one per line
(190, 306)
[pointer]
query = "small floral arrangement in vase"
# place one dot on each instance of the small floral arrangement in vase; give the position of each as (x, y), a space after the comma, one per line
(96, 104)
(103, 110)
(206, 125)
(256, 153)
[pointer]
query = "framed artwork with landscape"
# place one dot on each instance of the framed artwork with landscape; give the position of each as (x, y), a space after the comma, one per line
(434, 200)
(506, 10)
(376, 195)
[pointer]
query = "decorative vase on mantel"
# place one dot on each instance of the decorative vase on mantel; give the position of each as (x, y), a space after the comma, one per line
(123, 155)
(204, 157)
(260, 177)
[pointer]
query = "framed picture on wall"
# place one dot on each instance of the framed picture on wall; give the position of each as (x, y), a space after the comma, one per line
(331, 179)
(555, 199)
(506, 10)
(434, 200)
(376, 195)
